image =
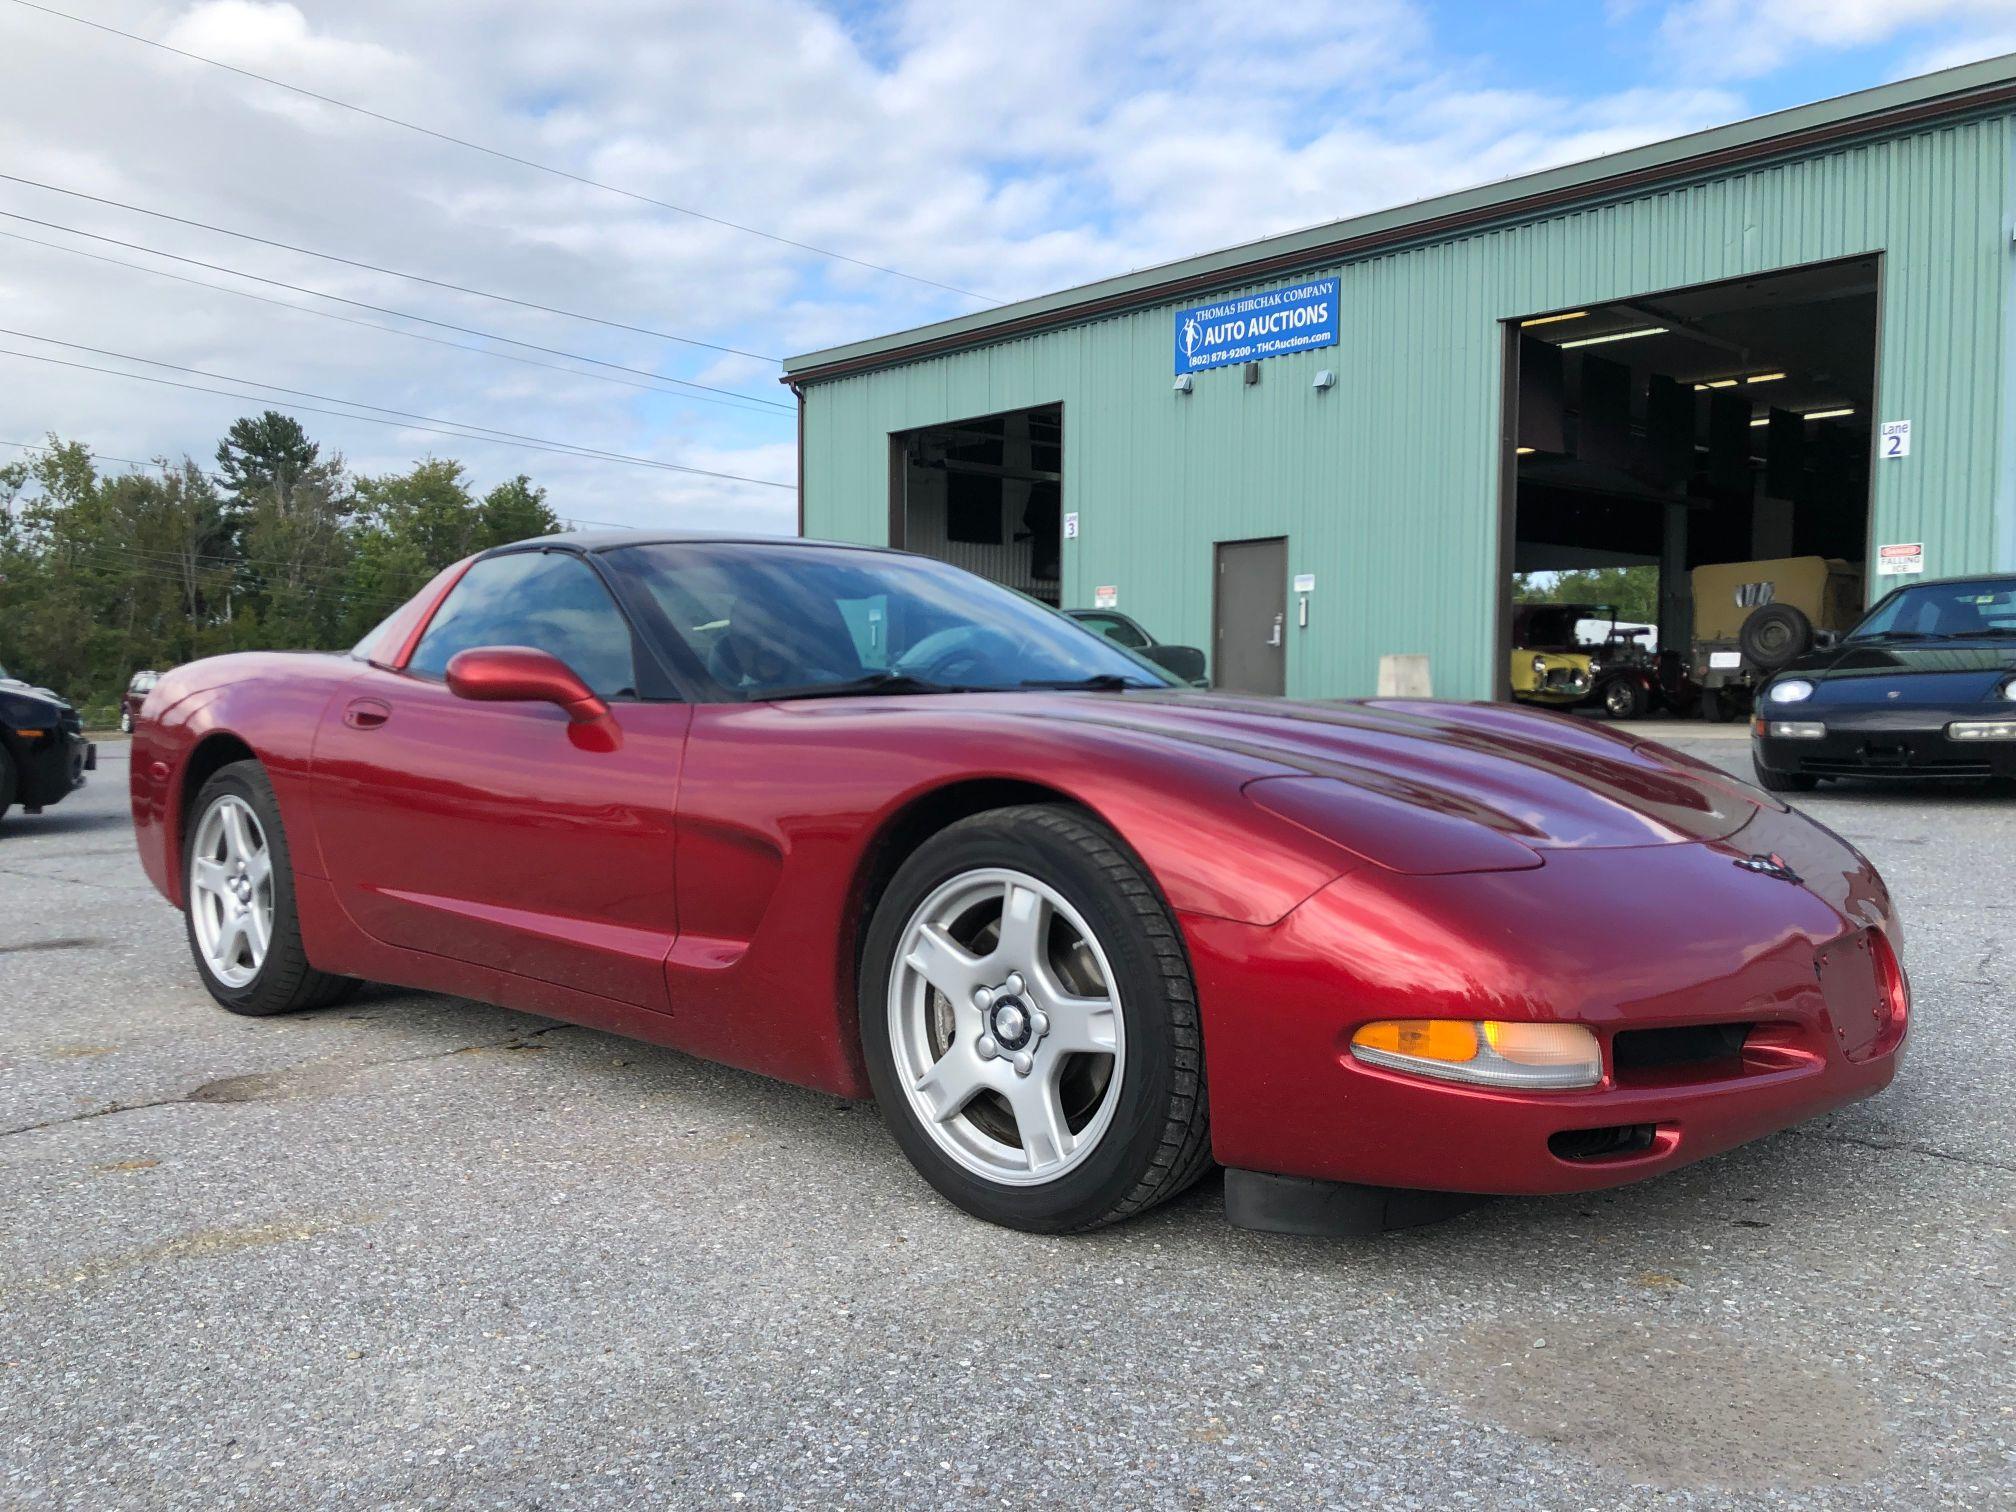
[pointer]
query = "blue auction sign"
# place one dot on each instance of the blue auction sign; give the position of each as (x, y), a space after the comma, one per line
(1247, 327)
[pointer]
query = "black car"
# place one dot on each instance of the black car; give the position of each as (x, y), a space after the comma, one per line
(1924, 686)
(43, 752)
(1187, 662)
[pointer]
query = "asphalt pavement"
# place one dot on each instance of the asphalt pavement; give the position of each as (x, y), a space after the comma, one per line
(419, 1252)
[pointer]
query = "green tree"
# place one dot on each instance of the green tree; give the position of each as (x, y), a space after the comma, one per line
(1633, 590)
(514, 511)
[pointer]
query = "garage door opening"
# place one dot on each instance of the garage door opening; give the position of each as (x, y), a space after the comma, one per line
(986, 495)
(1670, 455)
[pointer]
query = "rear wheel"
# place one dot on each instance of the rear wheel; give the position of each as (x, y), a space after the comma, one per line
(1783, 782)
(1030, 1025)
(239, 891)
(6, 782)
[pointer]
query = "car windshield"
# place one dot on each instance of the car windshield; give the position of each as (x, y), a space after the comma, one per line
(1983, 608)
(784, 621)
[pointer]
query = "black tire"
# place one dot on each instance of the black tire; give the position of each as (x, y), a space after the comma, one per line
(1711, 706)
(125, 719)
(6, 781)
(1623, 698)
(1774, 635)
(285, 981)
(1158, 1141)
(1784, 782)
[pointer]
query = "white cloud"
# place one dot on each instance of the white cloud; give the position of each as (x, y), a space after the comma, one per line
(1007, 148)
(1746, 38)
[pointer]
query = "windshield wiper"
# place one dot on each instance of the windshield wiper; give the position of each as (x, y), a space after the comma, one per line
(857, 687)
(1875, 635)
(2005, 632)
(1098, 682)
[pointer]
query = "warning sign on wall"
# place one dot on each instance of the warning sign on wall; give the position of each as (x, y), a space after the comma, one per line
(1895, 561)
(1106, 598)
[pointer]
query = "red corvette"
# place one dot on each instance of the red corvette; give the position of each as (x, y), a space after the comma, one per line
(861, 821)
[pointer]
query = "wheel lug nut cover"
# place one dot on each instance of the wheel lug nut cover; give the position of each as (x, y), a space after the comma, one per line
(987, 1048)
(983, 998)
(1039, 1022)
(1014, 983)
(1024, 1061)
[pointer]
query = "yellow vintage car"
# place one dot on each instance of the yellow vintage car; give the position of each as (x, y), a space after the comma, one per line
(1553, 666)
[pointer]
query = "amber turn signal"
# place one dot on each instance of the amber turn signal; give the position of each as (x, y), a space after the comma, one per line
(1489, 1053)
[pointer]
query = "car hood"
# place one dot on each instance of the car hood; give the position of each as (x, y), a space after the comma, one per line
(1906, 672)
(1547, 781)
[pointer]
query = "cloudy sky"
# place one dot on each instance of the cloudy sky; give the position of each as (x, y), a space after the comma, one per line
(1002, 149)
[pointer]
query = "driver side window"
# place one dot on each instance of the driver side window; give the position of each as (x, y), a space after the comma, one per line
(549, 600)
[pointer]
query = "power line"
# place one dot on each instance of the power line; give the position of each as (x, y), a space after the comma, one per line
(770, 409)
(509, 157)
(565, 519)
(281, 388)
(31, 446)
(530, 444)
(358, 304)
(351, 262)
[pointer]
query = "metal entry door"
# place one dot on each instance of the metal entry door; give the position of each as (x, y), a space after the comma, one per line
(1249, 652)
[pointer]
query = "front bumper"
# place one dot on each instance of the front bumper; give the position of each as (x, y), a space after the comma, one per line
(52, 767)
(1668, 938)
(1872, 742)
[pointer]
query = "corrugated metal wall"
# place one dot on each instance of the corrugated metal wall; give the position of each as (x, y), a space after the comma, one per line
(1387, 484)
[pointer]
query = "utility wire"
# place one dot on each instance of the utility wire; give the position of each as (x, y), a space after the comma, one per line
(351, 262)
(279, 388)
(508, 157)
(770, 408)
(358, 304)
(565, 519)
(529, 444)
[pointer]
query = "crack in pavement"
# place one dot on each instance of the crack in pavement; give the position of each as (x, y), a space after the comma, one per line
(213, 1091)
(1904, 1147)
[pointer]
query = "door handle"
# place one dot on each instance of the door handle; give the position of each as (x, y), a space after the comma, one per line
(366, 714)
(1274, 639)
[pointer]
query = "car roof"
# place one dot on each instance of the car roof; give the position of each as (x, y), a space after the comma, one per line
(607, 540)
(1959, 577)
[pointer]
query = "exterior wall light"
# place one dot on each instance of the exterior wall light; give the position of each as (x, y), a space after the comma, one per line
(1325, 379)
(1184, 384)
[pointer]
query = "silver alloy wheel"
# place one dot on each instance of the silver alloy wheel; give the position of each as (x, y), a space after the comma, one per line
(1005, 1027)
(231, 890)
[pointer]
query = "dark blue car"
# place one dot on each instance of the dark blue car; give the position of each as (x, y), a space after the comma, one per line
(1924, 686)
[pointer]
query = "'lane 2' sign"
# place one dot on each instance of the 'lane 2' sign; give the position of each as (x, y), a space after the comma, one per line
(1247, 327)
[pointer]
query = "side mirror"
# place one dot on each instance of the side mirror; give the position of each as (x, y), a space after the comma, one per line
(1187, 662)
(520, 674)
(1822, 639)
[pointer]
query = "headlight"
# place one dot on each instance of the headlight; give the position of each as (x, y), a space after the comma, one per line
(1792, 690)
(1539, 666)
(2009, 690)
(1488, 1053)
(1982, 729)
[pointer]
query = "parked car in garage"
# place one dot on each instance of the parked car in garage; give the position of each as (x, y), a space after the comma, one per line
(1556, 662)
(1080, 931)
(1187, 662)
(1753, 618)
(1924, 686)
(43, 752)
(137, 689)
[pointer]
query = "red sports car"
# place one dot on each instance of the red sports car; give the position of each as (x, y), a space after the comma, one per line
(859, 820)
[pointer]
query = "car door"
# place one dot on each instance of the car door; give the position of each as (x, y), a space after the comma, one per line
(496, 832)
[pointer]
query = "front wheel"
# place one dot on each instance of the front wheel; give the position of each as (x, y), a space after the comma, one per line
(125, 719)
(1030, 1025)
(239, 896)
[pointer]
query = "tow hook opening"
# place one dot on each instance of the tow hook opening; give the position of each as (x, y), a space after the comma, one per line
(1603, 1144)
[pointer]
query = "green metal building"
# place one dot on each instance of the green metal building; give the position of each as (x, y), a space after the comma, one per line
(1689, 353)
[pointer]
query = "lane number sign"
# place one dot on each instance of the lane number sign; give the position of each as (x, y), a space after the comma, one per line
(1894, 440)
